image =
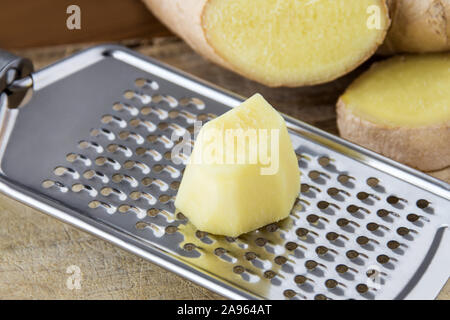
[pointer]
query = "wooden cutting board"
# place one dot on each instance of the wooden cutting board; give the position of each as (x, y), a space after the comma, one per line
(36, 250)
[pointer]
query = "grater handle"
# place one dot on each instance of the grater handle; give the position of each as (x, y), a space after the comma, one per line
(12, 69)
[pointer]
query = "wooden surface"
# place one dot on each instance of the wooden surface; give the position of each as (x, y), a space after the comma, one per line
(31, 23)
(36, 250)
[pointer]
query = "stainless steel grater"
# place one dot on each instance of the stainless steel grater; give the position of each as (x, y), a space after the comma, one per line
(92, 148)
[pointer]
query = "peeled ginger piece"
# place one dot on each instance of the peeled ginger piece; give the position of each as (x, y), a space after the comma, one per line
(401, 109)
(243, 172)
(280, 42)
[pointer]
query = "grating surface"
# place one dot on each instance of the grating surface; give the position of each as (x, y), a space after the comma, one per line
(355, 231)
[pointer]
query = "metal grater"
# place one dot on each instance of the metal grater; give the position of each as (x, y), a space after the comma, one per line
(92, 148)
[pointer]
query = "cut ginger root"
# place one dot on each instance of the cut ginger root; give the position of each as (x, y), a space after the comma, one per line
(280, 42)
(400, 108)
(243, 172)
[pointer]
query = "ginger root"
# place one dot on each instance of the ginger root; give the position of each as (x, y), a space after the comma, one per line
(418, 26)
(279, 42)
(401, 109)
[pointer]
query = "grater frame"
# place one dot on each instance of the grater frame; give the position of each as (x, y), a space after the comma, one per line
(431, 274)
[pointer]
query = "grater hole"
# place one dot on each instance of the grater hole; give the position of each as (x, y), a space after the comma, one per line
(120, 107)
(171, 101)
(354, 209)
(291, 246)
(314, 219)
(333, 236)
(383, 259)
(311, 264)
(304, 188)
(316, 175)
(280, 260)
(110, 119)
(333, 192)
(189, 247)
(147, 181)
(181, 216)
(94, 204)
(196, 102)
(78, 187)
(300, 279)
(269, 274)
(403, 231)
(60, 171)
(168, 155)
(372, 182)
(48, 184)
(412, 217)
(83, 144)
(324, 161)
(331, 283)
(164, 198)
(302, 232)
(175, 185)
(363, 240)
(273, 227)
(393, 200)
(365, 196)
(393, 244)
(220, 251)
(342, 268)
(362, 288)
(152, 212)
(171, 229)
(102, 132)
(344, 179)
(320, 297)
(353, 254)
(238, 269)
(322, 250)
(102, 161)
(289, 293)
(72, 157)
(141, 225)
(261, 242)
(133, 95)
(372, 226)
(146, 83)
(382, 213)
(250, 256)
(422, 203)
(231, 239)
(201, 234)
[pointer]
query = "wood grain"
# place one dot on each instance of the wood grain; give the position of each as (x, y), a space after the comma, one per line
(31, 23)
(35, 250)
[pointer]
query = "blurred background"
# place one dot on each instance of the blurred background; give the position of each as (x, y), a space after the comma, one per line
(31, 23)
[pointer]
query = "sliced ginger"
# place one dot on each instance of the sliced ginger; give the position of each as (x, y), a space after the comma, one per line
(292, 42)
(407, 91)
(280, 42)
(401, 109)
(224, 191)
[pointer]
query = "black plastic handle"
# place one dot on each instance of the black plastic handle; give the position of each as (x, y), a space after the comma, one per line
(13, 67)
